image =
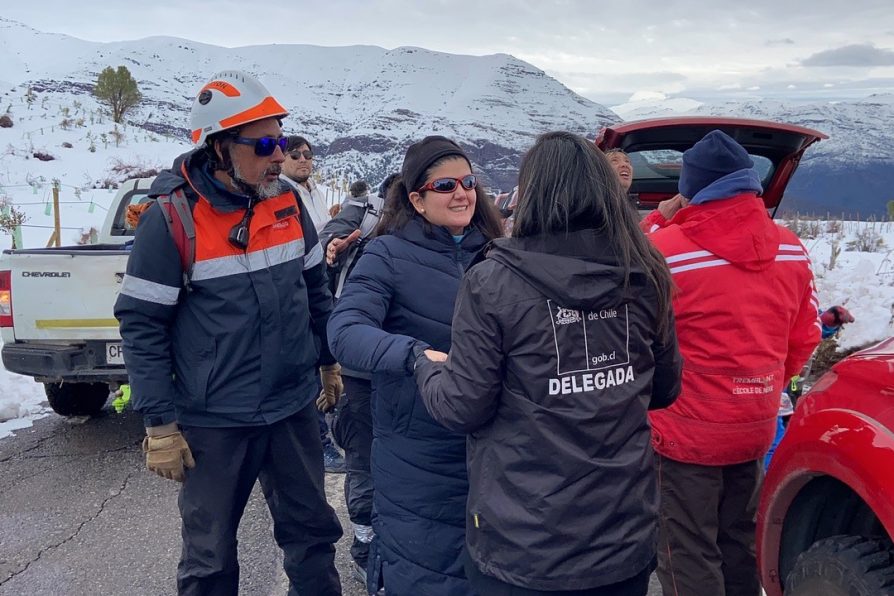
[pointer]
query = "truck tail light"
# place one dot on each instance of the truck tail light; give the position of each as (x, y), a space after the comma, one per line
(5, 298)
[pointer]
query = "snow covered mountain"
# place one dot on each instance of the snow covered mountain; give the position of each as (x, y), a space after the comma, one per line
(360, 105)
(851, 172)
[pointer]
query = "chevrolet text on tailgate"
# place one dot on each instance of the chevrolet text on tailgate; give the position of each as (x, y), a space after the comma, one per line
(56, 312)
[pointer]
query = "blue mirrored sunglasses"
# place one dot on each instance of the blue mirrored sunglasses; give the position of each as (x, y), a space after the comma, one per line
(264, 146)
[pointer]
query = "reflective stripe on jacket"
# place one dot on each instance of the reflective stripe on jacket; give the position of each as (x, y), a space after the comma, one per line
(746, 312)
(240, 347)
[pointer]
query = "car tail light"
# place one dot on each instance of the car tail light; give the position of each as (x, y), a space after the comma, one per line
(5, 298)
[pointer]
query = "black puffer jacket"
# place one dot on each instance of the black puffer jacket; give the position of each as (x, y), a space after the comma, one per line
(552, 368)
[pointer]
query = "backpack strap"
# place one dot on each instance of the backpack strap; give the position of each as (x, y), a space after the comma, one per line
(373, 209)
(181, 226)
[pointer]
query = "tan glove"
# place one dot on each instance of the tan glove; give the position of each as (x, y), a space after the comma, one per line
(330, 375)
(167, 453)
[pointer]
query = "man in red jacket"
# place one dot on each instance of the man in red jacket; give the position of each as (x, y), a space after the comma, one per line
(746, 312)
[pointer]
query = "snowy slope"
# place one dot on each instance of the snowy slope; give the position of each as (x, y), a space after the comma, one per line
(362, 103)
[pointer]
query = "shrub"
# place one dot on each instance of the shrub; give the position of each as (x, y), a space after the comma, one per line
(125, 171)
(804, 228)
(118, 90)
(826, 356)
(868, 239)
(88, 236)
(117, 136)
(10, 219)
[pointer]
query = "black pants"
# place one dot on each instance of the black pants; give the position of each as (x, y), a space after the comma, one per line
(287, 459)
(706, 529)
(486, 585)
(353, 433)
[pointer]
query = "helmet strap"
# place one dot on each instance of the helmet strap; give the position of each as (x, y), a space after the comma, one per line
(225, 164)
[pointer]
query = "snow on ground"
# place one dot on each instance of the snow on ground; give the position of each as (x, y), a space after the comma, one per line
(856, 277)
(862, 281)
(21, 402)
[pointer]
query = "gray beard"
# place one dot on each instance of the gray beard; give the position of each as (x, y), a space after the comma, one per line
(268, 191)
(264, 191)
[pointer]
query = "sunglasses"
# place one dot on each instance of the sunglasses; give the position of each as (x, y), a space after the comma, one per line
(449, 184)
(307, 154)
(264, 146)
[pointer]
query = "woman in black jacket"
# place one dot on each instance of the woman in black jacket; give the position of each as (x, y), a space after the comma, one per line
(562, 339)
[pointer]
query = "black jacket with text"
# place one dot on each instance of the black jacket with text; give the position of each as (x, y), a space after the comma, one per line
(552, 368)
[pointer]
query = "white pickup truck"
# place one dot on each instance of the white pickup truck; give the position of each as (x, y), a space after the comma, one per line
(56, 312)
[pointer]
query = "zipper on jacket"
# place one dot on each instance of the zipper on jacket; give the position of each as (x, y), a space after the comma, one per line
(459, 264)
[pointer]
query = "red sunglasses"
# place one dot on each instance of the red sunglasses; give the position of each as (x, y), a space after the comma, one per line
(449, 184)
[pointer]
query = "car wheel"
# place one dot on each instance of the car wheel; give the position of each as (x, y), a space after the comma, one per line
(843, 566)
(77, 399)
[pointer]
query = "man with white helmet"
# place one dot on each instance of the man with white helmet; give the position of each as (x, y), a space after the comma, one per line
(223, 313)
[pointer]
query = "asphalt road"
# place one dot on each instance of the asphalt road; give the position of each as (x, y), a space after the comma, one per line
(80, 515)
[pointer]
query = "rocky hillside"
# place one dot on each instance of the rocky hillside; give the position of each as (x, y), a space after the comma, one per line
(360, 105)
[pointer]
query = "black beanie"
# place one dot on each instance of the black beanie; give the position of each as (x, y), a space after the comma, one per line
(420, 157)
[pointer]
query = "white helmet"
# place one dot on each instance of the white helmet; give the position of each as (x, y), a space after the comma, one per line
(232, 98)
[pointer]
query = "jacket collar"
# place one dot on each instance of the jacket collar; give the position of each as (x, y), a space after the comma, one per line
(733, 184)
(578, 269)
(737, 229)
(438, 238)
(311, 185)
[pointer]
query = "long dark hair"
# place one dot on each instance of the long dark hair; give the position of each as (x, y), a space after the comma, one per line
(398, 210)
(566, 184)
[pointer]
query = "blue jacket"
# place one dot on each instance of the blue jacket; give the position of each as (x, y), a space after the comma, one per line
(241, 346)
(403, 289)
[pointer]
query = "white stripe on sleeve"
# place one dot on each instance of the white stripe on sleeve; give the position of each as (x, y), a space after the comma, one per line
(150, 291)
(314, 257)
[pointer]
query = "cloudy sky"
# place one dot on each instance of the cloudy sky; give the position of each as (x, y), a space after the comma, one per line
(606, 51)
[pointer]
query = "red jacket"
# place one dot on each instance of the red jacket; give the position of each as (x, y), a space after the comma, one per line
(746, 311)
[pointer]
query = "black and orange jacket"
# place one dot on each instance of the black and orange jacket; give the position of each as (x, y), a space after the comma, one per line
(241, 345)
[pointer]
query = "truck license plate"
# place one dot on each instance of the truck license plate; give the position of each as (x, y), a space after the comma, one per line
(114, 353)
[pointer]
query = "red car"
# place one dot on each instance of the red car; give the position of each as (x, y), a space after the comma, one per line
(826, 513)
(655, 148)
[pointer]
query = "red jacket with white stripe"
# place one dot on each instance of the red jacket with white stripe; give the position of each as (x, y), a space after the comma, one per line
(746, 316)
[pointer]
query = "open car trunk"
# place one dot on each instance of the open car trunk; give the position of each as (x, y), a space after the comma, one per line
(656, 147)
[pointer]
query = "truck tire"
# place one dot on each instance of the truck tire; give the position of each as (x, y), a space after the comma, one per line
(77, 399)
(843, 566)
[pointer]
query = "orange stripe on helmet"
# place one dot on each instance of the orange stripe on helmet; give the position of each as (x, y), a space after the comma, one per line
(195, 135)
(222, 86)
(266, 109)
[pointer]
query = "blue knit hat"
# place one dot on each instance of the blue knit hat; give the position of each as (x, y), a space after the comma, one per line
(712, 158)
